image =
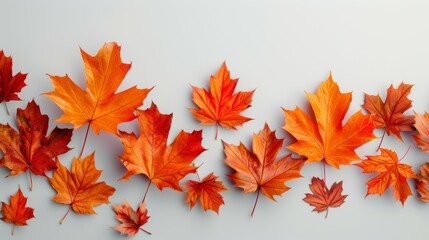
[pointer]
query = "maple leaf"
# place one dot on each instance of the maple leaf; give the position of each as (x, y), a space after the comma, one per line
(323, 198)
(9, 85)
(149, 154)
(221, 106)
(207, 191)
(131, 221)
(422, 126)
(259, 171)
(423, 183)
(390, 114)
(98, 106)
(30, 149)
(16, 212)
(325, 137)
(392, 173)
(79, 188)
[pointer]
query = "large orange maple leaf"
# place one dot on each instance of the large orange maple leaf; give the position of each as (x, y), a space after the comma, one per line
(221, 106)
(99, 105)
(149, 154)
(79, 187)
(392, 173)
(259, 171)
(324, 137)
(422, 127)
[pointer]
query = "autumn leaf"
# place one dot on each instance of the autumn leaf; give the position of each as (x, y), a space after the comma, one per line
(16, 212)
(131, 221)
(390, 114)
(323, 198)
(149, 154)
(324, 137)
(10, 85)
(98, 106)
(80, 188)
(423, 183)
(391, 173)
(30, 149)
(207, 191)
(259, 171)
(221, 106)
(422, 126)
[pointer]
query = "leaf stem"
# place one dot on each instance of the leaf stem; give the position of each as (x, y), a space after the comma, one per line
(84, 140)
(324, 171)
(405, 154)
(13, 229)
(381, 141)
(31, 180)
(65, 215)
(327, 211)
(147, 190)
(7, 111)
(146, 231)
(256, 202)
(217, 130)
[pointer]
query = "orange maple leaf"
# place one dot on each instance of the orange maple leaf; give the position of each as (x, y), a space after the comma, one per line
(392, 173)
(259, 171)
(9, 85)
(423, 183)
(149, 154)
(325, 137)
(323, 198)
(221, 106)
(79, 187)
(16, 212)
(207, 191)
(131, 221)
(390, 114)
(30, 149)
(98, 106)
(422, 126)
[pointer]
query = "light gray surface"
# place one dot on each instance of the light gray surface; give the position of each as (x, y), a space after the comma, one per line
(281, 48)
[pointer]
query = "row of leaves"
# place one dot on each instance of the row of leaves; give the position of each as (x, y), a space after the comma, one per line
(320, 136)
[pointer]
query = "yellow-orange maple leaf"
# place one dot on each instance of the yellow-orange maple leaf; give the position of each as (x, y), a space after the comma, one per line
(207, 190)
(259, 171)
(79, 188)
(392, 173)
(149, 154)
(221, 106)
(99, 105)
(325, 137)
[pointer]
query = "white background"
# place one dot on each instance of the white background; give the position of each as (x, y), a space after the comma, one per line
(281, 48)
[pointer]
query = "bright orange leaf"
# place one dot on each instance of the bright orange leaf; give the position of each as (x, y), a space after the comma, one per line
(390, 114)
(149, 154)
(323, 198)
(131, 221)
(221, 106)
(99, 105)
(207, 191)
(9, 85)
(325, 137)
(422, 126)
(30, 149)
(16, 212)
(391, 173)
(80, 188)
(423, 183)
(259, 171)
